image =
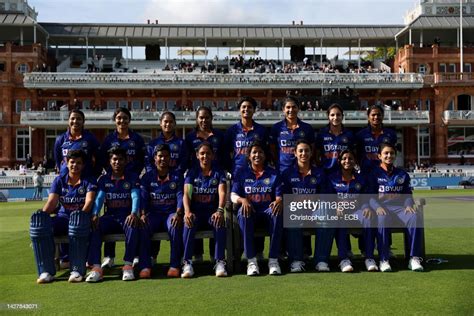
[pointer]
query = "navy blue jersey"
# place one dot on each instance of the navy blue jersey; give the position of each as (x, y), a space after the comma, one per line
(216, 140)
(239, 139)
(355, 189)
(134, 145)
(161, 196)
(285, 141)
(178, 151)
(312, 183)
(259, 191)
(394, 189)
(205, 189)
(118, 192)
(368, 145)
(330, 146)
(72, 198)
(87, 143)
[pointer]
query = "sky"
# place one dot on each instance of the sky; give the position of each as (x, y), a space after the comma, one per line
(371, 12)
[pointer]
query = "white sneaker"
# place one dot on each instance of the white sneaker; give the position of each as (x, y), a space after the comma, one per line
(273, 267)
(415, 264)
(94, 276)
(135, 262)
(45, 277)
(322, 267)
(346, 265)
(252, 267)
(260, 256)
(75, 277)
(220, 268)
(107, 262)
(370, 265)
(188, 270)
(127, 273)
(385, 266)
(64, 265)
(297, 266)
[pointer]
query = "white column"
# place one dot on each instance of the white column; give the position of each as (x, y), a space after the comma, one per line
(21, 36)
(87, 48)
(167, 52)
(283, 51)
(358, 42)
(243, 49)
(409, 36)
(34, 33)
(126, 52)
(131, 52)
(205, 50)
(30, 135)
(321, 51)
(421, 38)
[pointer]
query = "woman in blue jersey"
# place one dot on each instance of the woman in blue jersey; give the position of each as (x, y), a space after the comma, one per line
(368, 139)
(134, 145)
(258, 189)
(300, 179)
(75, 194)
(77, 138)
(394, 204)
(179, 151)
(161, 211)
(204, 201)
(333, 139)
(119, 190)
(352, 186)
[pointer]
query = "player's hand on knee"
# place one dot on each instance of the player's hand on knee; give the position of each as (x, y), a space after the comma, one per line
(131, 220)
(217, 219)
(246, 207)
(276, 206)
(95, 222)
(177, 220)
(144, 220)
(189, 219)
(367, 213)
(381, 211)
(410, 209)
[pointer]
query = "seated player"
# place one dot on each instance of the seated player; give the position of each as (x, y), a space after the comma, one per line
(258, 189)
(161, 210)
(75, 195)
(204, 200)
(120, 191)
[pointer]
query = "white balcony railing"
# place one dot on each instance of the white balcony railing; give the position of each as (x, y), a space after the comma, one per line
(165, 80)
(460, 117)
(142, 119)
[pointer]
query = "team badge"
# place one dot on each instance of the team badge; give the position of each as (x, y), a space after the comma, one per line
(313, 180)
(131, 143)
(84, 144)
(386, 140)
(266, 181)
(256, 137)
(358, 186)
(174, 147)
(214, 181)
(301, 134)
(126, 185)
(401, 180)
(172, 185)
(345, 139)
(81, 190)
(214, 140)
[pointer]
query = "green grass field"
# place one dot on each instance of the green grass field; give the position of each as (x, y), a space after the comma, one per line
(443, 289)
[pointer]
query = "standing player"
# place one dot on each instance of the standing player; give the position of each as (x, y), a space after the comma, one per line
(120, 191)
(258, 189)
(239, 136)
(368, 139)
(161, 210)
(134, 145)
(75, 194)
(204, 200)
(353, 186)
(76, 137)
(395, 201)
(179, 151)
(302, 178)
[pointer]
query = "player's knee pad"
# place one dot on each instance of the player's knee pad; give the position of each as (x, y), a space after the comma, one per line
(79, 231)
(41, 233)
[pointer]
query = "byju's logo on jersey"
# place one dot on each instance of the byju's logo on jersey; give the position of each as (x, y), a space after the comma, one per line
(173, 185)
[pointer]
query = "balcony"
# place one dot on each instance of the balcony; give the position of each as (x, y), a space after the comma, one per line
(458, 117)
(142, 119)
(168, 80)
(443, 78)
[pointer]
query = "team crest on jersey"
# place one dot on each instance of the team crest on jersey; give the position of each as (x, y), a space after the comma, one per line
(266, 181)
(214, 140)
(84, 144)
(81, 190)
(344, 139)
(358, 186)
(131, 143)
(301, 134)
(256, 137)
(173, 185)
(401, 180)
(386, 140)
(126, 185)
(214, 181)
(174, 147)
(313, 180)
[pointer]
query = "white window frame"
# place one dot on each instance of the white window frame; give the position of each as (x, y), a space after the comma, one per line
(18, 106)
(22, 133)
